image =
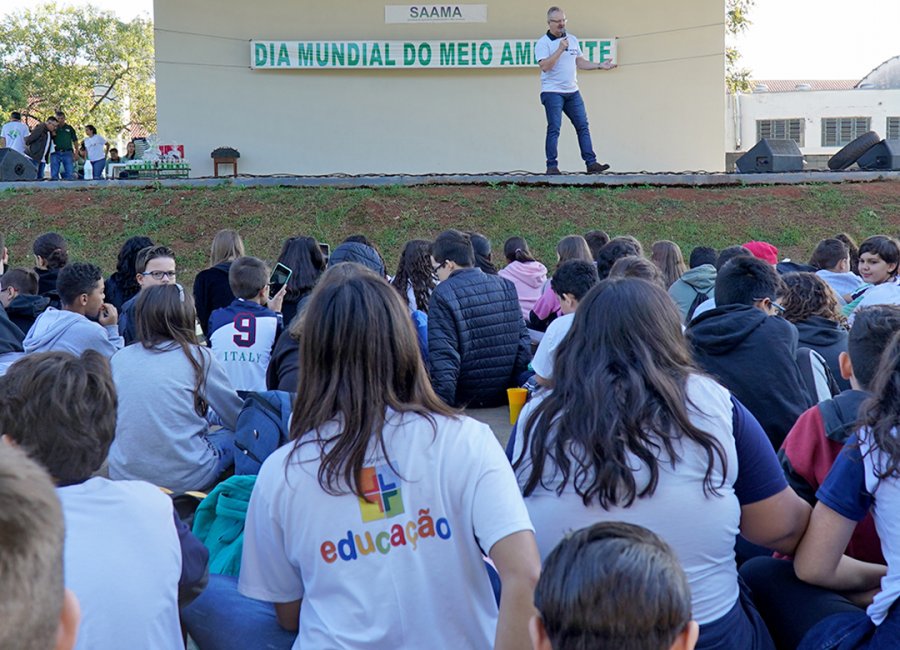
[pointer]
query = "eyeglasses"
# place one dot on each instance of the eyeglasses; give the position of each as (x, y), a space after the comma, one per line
(159, 275)
(439, 266)
(560, 21)
(774, 304)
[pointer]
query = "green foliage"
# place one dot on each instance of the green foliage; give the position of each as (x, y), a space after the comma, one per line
(94, 66)
(736, 22)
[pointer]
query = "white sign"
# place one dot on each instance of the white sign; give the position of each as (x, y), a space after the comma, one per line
(435, 13)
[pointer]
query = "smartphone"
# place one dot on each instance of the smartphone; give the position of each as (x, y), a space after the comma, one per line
(280, 276)
(326, 251)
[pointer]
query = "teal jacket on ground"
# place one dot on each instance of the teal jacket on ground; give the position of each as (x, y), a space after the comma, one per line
(219, 523)
(701, 279)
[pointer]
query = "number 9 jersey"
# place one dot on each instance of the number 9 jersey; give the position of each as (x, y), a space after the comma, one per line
(242, 336)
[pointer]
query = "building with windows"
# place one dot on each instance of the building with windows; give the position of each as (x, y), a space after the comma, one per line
(820, 116)
(358, 86)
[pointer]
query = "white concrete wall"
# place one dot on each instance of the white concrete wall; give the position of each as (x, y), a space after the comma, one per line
(650, 114)
(744, 110)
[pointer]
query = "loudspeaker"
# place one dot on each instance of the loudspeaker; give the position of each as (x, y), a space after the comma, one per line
(884, 155)
(771, 156)
(16, 167)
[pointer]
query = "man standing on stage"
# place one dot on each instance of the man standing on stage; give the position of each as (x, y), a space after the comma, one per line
(65, 144)
(559, 55)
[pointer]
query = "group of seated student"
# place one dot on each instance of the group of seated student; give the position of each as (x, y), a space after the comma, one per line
(697, 465)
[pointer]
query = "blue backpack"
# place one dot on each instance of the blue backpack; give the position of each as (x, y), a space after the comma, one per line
(263, 425)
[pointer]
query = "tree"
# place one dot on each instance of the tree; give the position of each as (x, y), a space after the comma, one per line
(736, 22)
(95, 67)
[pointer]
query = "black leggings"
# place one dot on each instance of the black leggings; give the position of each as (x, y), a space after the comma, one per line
(789, 606)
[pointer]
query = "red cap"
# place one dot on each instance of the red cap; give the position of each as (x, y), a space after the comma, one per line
(763, 250)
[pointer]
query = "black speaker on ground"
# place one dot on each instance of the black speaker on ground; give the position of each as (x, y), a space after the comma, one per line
(771, 156)
(16, 167)
(883, 156)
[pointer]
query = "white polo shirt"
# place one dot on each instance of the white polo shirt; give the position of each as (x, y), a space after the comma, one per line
(561, 78)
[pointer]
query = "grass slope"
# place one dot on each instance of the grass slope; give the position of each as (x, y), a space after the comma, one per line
(96, 221)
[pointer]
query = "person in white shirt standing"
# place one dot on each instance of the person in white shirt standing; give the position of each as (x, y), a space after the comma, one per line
(96, 146)
(14, 132)
(559, 56)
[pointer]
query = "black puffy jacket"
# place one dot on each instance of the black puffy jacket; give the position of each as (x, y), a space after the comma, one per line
(478, 344)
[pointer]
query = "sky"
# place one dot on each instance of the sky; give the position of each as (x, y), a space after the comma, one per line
(789, 39)
(819, 39)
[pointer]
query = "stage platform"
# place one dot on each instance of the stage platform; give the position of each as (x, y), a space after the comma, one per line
(640, 179)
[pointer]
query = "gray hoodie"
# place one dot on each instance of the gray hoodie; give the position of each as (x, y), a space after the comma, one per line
(159, 436)
(58, 329)
(700, 279)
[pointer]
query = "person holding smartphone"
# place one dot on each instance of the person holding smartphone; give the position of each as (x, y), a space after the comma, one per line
(243, 335)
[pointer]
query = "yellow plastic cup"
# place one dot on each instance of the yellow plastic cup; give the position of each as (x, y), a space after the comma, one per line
(517, 398)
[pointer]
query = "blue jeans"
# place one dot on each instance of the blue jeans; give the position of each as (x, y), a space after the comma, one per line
(223, 619)
(555, 104)
(97, 167)
(65, 159)
(222, 441)
(854, 630)
(39, 165)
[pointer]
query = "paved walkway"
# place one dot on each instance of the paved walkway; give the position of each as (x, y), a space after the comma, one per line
(689, 179)
(496, 418)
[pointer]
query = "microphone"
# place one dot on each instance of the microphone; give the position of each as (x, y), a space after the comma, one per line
(563, 35)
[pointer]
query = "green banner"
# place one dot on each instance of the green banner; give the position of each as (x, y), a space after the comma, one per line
(320, 55)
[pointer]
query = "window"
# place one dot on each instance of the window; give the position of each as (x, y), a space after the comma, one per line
(838, 131)
(791, 129)
(892, 131)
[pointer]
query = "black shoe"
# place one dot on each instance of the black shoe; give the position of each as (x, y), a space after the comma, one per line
(597, 168)
(553, 171)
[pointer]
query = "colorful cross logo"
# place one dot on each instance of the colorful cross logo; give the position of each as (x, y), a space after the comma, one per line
(381, 487)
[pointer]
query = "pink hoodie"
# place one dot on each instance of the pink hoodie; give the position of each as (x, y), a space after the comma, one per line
(529, 278)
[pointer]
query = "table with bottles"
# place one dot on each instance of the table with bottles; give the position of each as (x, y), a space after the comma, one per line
(149, 169)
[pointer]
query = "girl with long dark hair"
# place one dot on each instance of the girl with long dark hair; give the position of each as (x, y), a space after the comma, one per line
(415, 277)
(384, 500)
(164, 386)
(304, 257)
(632, 431)
(122, 285)
(481, 245)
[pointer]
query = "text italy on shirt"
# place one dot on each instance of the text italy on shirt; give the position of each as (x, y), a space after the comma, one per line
(384, 500)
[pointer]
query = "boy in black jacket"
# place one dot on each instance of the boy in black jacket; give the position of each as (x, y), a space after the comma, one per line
(478, 345)
(749, 349)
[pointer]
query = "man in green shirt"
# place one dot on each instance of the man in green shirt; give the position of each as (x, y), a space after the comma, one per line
(65, 142)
